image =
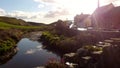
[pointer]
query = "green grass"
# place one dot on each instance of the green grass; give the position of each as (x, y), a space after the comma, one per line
(5, 46)
(4, 25)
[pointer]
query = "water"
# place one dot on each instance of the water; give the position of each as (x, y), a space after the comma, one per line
(30, 55)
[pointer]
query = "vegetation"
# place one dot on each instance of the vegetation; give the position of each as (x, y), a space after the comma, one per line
(55, 64)
(92, 48)
(84, 44)
(8, 39)
(64, 39)
(4, 25)
(13, 21)
(11, 31)
(6, 45)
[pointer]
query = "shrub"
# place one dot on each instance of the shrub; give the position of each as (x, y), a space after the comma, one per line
(7, 45)
(55, 64)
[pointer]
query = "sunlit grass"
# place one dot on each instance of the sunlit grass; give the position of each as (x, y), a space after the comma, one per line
(10, 26)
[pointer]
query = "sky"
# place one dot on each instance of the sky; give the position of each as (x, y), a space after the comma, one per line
(48, 11)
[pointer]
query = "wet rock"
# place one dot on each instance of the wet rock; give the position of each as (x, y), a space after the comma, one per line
(70, 55)
(97, 52)
(109, 41)
(71, 65)
(115, 39)
(86, 57)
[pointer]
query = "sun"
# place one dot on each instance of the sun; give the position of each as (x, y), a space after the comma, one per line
(78, 6)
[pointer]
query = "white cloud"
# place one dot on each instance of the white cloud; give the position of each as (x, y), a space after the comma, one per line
(27, 16)
(39, 48)
(56, 13)
(31, 51)
(34, 50)
(2, 12)
(116, 3)
(45, 1)
(49, 1)
(41, 6)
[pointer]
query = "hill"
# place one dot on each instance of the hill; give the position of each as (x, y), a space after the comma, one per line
(14, 21)
(35, 24)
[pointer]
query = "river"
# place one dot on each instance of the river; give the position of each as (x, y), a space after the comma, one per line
(31, 54)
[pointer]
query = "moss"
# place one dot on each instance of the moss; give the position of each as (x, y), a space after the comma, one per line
(93, 48)
(50, 38)
(7, 45)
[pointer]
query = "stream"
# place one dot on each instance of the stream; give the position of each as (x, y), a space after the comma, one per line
(31, 54)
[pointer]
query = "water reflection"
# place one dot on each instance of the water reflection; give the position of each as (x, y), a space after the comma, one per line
(31, 51)
(31, 54)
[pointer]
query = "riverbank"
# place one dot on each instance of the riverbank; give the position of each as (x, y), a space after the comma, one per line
(98, 45)
(9, 38)
(86, 49)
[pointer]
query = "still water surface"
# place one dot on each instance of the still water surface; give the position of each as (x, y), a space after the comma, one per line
(30, 55)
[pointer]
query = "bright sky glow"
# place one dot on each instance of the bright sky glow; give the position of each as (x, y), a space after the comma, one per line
(47, 11)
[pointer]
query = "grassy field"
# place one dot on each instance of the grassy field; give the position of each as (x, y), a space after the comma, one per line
(4, 25)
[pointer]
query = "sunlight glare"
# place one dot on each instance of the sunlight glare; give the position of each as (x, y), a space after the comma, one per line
(78, 6)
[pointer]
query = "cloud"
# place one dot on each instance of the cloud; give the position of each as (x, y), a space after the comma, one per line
(39, 48)
(41, 6)
(53, 8)
(49, 1)
(40, 16)
(45, 1)
(2, 12)
(56, 13)
(31, 51)
(116, 3)
(23, 15)
(27, 16)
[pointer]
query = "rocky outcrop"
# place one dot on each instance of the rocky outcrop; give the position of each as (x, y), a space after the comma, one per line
(105, 54)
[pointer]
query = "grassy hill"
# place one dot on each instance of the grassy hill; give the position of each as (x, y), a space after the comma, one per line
(36, 24)
(4, 25)
(14, 21)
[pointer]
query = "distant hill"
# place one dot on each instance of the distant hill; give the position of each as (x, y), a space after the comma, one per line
(13, 21)
(36, 24)
(107, 17)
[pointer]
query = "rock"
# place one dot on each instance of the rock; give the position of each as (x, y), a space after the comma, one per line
(70, 55)
(109, 41)
(86, 57)
(115, 39)
(82, 51)
(97, 52)
(71, 65)
(104, 45)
